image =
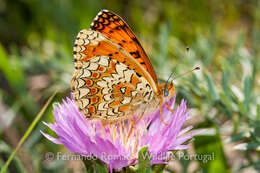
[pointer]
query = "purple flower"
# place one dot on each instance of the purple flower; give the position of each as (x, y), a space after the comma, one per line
(114, 144)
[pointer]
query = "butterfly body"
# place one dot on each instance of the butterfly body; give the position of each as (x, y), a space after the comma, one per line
(113, 77)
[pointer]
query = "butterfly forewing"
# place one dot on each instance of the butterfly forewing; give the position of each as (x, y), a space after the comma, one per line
(89, 44)
(112, 26)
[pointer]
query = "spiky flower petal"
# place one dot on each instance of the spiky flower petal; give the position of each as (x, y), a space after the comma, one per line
(117, 145)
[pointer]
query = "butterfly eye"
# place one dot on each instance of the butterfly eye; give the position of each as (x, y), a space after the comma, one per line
(165, 92)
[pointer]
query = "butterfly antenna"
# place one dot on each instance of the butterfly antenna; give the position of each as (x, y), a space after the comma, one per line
(168, 80)
(187, 72)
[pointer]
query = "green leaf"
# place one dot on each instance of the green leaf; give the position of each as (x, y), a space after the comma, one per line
(17, 164)
(226, 95)
(210, 154)
(12, 71)
(247, 146)
(184, 160)
(144, 159)
(89, 165)
(258, 112)
(163, 39)
(225, 85)
(95, 166)
(56, 164)
(237, 137)
(158, 168)
(211, 88)
(100, 167)
(247, 91)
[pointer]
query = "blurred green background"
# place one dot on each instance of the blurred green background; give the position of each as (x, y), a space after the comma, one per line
(36, 41)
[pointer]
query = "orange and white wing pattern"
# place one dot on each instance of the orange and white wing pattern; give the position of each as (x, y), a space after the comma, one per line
(108, 82)
(114, 27)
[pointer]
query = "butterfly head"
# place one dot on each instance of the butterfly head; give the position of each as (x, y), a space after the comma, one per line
(168, 90)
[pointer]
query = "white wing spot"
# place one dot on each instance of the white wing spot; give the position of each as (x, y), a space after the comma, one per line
(96, 18)
(140, 86)
(116, 77)
(77, 56)
(81, 83)
(85, 73)
(83, 92)
(116, 110)
(83, 36)
(86, 42)
(110, 112)
(85, 102)
(123, 90)
(76, 48)
(126, 100)
(120, 69)
(102, 84)
(134, 93)
(96, 59)
(107, 97)
(128, 74)
(92, 66)
(79, 42)
(92, 36)
(103, 106)
(106, 90)
(103, 61)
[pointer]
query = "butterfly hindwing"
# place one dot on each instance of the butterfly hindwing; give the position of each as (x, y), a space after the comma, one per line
(106, 88)
(108, 83)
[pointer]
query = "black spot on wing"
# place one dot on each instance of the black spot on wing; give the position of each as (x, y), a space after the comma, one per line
(135, 54)
(138, 74)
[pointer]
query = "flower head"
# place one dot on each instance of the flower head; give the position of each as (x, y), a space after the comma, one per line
(118, 144)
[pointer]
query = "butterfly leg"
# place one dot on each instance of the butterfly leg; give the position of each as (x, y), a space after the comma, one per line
(121, 131)
(161, 112)
(131, 129)
(102, 130)
(169, 108)
(138, 119)
(133, 124)
(103, 124)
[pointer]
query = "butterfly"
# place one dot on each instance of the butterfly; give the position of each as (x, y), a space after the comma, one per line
(114, 78)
